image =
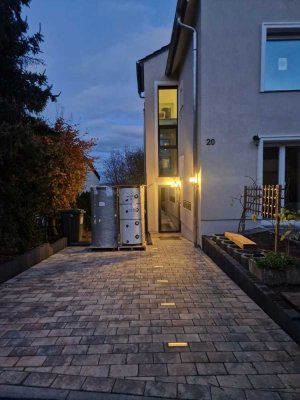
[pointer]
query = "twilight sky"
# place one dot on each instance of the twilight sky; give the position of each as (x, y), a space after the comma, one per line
(90, 49)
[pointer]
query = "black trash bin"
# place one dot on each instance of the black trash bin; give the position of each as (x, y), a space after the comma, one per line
(72, 223)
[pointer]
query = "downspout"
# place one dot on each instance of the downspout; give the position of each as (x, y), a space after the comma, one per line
(195, 133)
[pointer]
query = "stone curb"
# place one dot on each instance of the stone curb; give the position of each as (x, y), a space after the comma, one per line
(23, 262)
(34, 393)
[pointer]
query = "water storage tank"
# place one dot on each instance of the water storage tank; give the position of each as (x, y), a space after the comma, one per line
(104, 217)
(131, 210)
(129, 195)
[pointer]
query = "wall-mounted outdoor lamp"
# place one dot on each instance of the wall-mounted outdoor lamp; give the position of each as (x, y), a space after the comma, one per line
(193, 179)
(175, 184)
(256, 140)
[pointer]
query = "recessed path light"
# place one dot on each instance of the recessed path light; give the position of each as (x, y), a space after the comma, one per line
(171, 304)
(177, 344)
(158, 266)
(162, 281)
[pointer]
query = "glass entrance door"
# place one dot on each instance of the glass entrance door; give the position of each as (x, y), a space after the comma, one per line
(169, 209)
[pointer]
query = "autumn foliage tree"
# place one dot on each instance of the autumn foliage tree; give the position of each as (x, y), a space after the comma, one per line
(68, 166)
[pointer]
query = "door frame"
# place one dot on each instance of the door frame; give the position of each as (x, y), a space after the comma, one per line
(159, 209)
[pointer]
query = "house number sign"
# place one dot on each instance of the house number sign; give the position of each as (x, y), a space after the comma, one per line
(210, 142)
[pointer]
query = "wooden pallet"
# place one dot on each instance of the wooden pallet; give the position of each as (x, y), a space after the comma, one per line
(95, 248)
(139, 247)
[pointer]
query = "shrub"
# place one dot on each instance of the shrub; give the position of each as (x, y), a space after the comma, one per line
(277, 261)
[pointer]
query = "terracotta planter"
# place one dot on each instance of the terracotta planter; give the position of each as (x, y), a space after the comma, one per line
(275, 277)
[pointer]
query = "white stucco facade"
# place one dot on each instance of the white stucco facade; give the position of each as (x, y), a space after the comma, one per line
(232, 109)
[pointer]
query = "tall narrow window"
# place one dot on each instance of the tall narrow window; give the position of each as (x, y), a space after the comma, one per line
(167, 131)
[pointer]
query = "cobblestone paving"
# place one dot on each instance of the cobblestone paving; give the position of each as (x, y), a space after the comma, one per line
(90, 321)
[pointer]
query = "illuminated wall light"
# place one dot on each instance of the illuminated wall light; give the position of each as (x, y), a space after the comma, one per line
(193, 179)
(175, 184)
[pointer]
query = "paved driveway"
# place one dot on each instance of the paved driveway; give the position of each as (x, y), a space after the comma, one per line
(84, 322)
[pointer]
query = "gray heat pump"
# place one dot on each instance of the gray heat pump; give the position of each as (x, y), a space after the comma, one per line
(104, 217)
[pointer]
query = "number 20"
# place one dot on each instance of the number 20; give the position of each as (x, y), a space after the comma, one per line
(210, 142)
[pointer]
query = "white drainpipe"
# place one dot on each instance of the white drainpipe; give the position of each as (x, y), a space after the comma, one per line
(195, 133)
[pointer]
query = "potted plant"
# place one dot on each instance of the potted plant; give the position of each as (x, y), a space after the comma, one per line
(276, 269)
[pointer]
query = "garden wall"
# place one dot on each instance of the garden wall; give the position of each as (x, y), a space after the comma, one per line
(21, 263)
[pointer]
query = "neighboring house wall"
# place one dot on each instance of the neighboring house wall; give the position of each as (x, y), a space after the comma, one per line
(90, 180)
(154, 72)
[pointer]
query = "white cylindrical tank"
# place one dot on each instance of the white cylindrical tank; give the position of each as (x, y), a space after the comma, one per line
(131, 211)
(129, 195)
(131, 231)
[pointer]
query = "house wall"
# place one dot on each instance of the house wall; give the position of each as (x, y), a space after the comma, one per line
(154, 73)
(232, 109)
(90, 180)
(185, 144)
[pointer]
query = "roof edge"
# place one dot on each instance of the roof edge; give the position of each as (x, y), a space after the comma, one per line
(180, 12)
(140, 67)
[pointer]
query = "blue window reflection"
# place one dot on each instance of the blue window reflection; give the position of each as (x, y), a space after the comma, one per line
(282, 65)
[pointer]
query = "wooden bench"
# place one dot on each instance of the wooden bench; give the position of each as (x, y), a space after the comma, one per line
(240, 240)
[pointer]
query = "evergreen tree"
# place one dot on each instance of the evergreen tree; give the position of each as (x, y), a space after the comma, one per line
(23, 94)
(22, 91)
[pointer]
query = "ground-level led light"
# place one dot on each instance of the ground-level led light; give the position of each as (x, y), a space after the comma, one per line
(162, 281)
(158, 266)
(172, 304)
(177, 344)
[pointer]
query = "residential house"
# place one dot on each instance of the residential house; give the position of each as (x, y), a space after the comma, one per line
(222, 103)
(92, 178)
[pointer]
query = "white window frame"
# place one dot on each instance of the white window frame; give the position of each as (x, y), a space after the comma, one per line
(265, 27)
(284, 140)
(157, 84)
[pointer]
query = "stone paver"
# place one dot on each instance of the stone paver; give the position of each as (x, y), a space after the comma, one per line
(94, 322)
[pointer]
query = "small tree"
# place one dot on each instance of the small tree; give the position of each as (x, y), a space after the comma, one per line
(125, 167)
(67, 168)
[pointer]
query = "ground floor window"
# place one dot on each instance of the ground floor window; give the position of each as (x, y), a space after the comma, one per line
(281, 165)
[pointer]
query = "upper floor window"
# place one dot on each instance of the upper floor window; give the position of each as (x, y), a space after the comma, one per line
(167, 131)
(280, 57)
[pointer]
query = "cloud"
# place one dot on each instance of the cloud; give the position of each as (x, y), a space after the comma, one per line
(99, 88)
(109, 98)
